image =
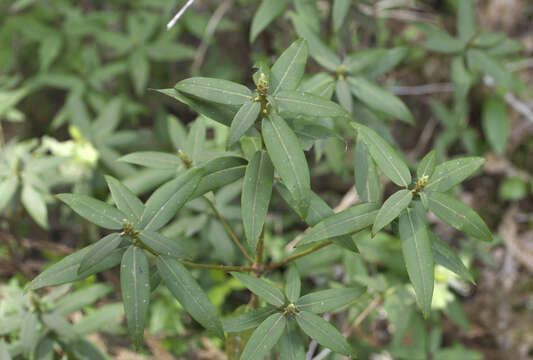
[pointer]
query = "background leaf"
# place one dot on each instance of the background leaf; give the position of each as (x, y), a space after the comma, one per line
(268, 10)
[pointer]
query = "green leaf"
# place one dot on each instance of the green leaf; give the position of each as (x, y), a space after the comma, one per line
(344, 96)
(391, 209)
(441, 42)
(492, 67)
(125, 199)
(135, 286)
(79, 116)
(292, 284)
(513, 189)
(153, 159)
(108, 119)
(99, 250)
(248, 320)
(176, 132)
(167, 200)
(345, 222)
(139, 67)
(268, 10)
(291, 346)
(288, 70)
(458, 215)
(243, 120)
(390, 59)
(4, 353)
(84, 350)
(220, 113)
(357, 62)
(328, 300)
(323, 333)
(298, 102)
(318, 50)
(219, 172)
(196, 139)
(161, 244)
(263, 289)
(43, 351)
(34, 203)
(366, 175)
(320, 84)
(445, 256)
(80, 299)
(452, 172)
(255, 198)
(418, 257)
(466, 20)
(288, 158)
(264, 337)
(389, 161)
(495, 123)
(339, 12)
(8, 187)
(95, 211)
(99, 319)
(29, 334)
(215, 90)
(189, 294)
(426, 166)
(379, 99)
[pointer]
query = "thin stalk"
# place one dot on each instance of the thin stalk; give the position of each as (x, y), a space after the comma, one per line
(296, 256)
(216, 266)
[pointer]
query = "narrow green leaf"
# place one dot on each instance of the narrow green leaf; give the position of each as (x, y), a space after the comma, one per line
(339, 12)
(268, 10)
(366, 175)
(95, 211)
(492, 67)
(196, 139)
(291, 345)
(379, 99)
(328, 300)
(292, 284)
(344, 96)
(255, 198)
(215, 90)
(391, 209)
(418, 257)
(79, 115)
(345, 222)
(220, 172)
(264, 337)
(320, 84)
(81, 298)
(247, 320)
(288, 158)
(99, 250)
(243, 120)
(445, 256)
(153, 159)
(190, 295)
(43, 351)
(426, 166)
(7, 190)
(441, 42)
(466, 20)
(59, 325)
(390, 59)
(389, 161)
(83, 349)
(161, 244)
(495, 122)
(176, 132)
(125, 199)
(108, 119)
(323, 333)
(99, 319)
(139, 67)
(263, 289)
(34, 203)
(4, 351)
(288, 70)
(458, 215)
(167, 200)
(452, 172)
(298, 102)
(359, 61)
(135, 287)
(29, 334)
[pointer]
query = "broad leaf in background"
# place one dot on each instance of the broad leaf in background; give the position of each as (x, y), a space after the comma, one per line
(495, 122)
(268, 10)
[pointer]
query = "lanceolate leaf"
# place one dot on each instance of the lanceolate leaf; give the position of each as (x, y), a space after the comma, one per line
(392, 208)
(495, 69)
(445, 256)
(426, 166)
(243, 120)
(266, 291)
(29, 331)
(348, 221)
(34, 204)
(307, 104)
(135, 286)
(288, 70)
(161, 244)
(452, 172)
(7, 190)
(219, 172)
(458, 215)
(265, 14)
(327, 300)
(339, 12)
(99, 251)
(442, 42)
(342, 91)
(418, 257)
(291, 345)
(388, 160)
(323, 332)
(292, 284)
(379, 99)
(366, 175)
(466, 20)
(264, 337)
(495, 123)
(215, 90)
(190, 295)
(153, 159)
(247, 320)
(125, 199)
(255, 198)
(95, 211)
(165, 202)
(289, 160)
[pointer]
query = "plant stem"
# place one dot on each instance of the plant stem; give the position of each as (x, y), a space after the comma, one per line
(229, 231)
(297, 256)
(217, 267)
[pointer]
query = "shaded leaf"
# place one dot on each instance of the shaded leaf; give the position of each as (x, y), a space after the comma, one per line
(161, 244)
(291, 346)
(339, 12)
(452, 172)
(288, 70)
(323, 333)
(268, 10)
(7, 190)
(466, 20)
(307, 104)
(445, 256)
(292, 284)
(219, 172)
(125, 199)
(243, 120)
(99, 251)
(95, 211)
(153, 159)
(34, 203)
(263, 289)
(247, 320)
(366, 175)
(391, 209)
(426, 166)
(495, 123)
(215, 90)
(264, 337)
(322, 301)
